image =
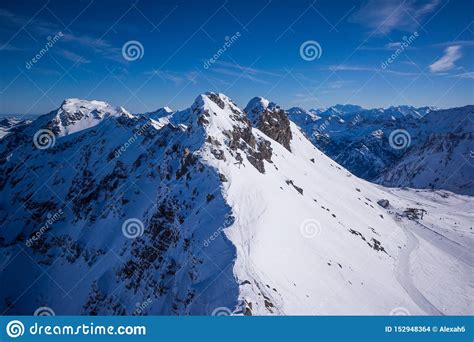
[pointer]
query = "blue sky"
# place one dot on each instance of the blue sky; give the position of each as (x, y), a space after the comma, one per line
(434, 67)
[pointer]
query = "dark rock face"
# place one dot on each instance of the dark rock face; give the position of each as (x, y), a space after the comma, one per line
(256, 150)
(270, 119)
(275, 123)
(216, 99)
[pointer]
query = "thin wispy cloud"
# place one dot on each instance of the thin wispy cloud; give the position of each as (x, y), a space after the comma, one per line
(97, 45)
(385, 16)
(327, 87)
(41, 29)
(236, 70)
(10, 18)
(447, 62)
(71, 56)
(393, 46)
(8, 47)
(397, 44)
(468, 74)
(175, 77)
(220, 72)
(333, 85)
(348, 67)
(455, 42)
(250, 70)
(236, 73)
(36, 26)
(45, 71)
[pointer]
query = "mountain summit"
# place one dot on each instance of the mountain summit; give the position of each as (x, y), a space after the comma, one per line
(216, 208)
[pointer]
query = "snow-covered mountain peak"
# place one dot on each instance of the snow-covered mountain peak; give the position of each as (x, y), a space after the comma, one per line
(160, 117)
(75, 115)
(73, 104)
(210, 99)
(217, 112)
(123, 112)
(257, 104)
(160, 113)
(166, 109)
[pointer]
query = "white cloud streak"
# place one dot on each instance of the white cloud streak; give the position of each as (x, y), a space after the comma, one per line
(384, 16)
(446, 63)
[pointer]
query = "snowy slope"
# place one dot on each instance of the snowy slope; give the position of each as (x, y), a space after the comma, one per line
(233, 209)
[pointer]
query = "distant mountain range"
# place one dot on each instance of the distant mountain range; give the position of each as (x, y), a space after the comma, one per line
(438, 155)
(9, 123)
(436, 151)
(221, 210)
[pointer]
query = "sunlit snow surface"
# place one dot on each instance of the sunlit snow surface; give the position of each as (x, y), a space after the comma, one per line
(303, 236)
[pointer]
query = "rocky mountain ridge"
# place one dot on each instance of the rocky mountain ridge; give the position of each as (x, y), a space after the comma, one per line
(205, 211)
